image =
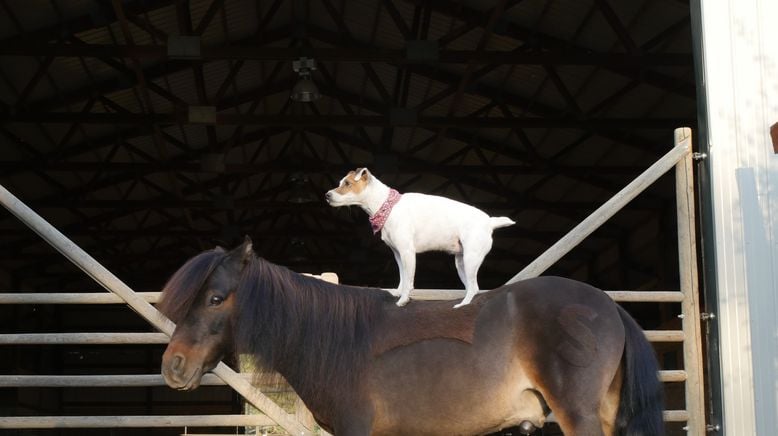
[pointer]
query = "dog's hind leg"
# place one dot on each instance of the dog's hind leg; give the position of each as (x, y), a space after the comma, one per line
(460, 264)
(473, 252)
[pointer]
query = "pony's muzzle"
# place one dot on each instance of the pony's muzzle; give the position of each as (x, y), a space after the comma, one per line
(174, 371)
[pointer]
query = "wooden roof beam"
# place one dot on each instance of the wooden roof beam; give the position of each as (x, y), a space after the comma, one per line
(561, 46)
(294, 120)
(237, 51)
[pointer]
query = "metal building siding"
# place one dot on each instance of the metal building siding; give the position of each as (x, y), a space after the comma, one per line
(740, 40)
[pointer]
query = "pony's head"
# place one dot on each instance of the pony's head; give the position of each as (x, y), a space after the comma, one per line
(200, 299)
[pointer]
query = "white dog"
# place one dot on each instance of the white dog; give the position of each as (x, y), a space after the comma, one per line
(414, 223)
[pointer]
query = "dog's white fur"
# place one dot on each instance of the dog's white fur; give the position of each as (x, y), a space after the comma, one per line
(419, 223)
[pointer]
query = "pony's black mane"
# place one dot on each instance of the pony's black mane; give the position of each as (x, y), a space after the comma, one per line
(315, 333)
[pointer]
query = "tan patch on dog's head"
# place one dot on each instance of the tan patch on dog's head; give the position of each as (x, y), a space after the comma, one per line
(354, 182)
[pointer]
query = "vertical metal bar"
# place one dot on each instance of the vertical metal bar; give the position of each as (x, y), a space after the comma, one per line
(714, 398)
(106, 279)
(687, 268)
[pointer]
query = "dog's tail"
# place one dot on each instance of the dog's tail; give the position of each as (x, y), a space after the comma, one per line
(501, 221)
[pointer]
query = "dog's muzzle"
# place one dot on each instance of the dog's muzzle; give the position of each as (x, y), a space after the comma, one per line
(328, 197)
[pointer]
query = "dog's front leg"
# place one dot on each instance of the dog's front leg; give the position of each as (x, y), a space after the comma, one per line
(401, 285)
(407, 265)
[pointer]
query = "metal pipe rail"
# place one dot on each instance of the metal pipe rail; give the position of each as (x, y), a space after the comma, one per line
(71, 298)
(140, 421)
(150, 380)
(618, 296)
(108, 381)
(669, 416)
(161, 338)
(134, 421)
(83, 338)
(418, 294)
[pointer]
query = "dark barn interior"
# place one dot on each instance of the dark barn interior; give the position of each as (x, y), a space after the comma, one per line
(150, 130)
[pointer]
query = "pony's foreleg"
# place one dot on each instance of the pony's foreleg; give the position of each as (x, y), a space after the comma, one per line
(355, 424)
(353, 431)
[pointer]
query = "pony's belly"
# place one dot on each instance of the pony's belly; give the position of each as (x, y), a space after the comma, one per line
(463, 395)
(475, 415)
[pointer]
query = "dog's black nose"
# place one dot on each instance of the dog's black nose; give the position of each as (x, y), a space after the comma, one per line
(328, 195)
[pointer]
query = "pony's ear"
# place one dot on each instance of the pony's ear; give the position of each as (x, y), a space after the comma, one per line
(362, 172)
(244, 252)
(247, 249)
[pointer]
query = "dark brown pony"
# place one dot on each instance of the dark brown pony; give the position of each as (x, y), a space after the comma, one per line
(364, 366)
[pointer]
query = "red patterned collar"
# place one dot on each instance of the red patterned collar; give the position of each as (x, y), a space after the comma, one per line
(379, 218)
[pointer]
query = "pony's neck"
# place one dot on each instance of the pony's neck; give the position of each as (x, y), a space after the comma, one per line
(316, 334)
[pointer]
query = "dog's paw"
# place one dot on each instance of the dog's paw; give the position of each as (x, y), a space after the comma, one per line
(403, 301)
(457, 306)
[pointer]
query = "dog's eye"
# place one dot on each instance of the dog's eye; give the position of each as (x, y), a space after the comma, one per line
(347, 183)
(216, 300)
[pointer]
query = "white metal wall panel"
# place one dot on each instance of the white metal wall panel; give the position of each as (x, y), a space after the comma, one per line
(740, 40)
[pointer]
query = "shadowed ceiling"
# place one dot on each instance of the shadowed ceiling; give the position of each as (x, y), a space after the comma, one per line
(150, 130)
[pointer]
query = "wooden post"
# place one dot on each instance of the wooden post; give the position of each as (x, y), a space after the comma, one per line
(607, 210)
(687, 268)
(106, 279)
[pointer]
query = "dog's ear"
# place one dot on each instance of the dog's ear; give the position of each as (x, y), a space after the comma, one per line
(362, 172)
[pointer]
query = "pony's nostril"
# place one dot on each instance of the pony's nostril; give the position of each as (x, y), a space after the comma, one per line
(178, 362)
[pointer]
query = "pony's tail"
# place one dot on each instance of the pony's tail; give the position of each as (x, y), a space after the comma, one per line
(641, 405)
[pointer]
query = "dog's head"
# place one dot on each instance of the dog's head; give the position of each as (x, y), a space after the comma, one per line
(351, 189)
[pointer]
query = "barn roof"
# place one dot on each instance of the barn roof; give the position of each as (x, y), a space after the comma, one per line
(145, 152)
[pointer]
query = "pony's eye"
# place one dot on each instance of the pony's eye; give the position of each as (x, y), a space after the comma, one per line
(216, 300)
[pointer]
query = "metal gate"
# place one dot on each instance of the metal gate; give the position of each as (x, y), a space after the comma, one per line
(679, 157)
